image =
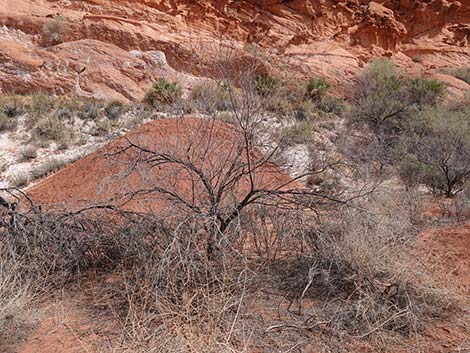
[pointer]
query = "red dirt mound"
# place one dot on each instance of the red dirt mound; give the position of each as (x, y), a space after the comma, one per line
(195, 151)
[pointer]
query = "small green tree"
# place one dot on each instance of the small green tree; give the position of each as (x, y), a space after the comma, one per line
(438, 150)
(380, 97)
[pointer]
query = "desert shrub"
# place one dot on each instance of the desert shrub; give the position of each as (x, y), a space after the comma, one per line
(210, 96)
(63, 114)
(362, 271)
(50, 128)
(265, 85)
(102, 127)
(47, 167)
(412, 170)
(7, 123)
(426, 91)
(54, 31)
(332, 105)
(438, 150)
(462, 73)
(162, 92)
(316, 88)
(41, 105)
(114, 110)
(28, 153)
(380, 97)
(19, 179)
(14, 294)
(298, 133)
(462, 202)
(12, 106)
(90, 111)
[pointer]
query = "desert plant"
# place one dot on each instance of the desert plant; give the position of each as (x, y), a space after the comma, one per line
(462, 73)
(51, 128)
(14, 293)
(162, 92)
(7, 123)
(210, 96)
(63, 114)
(12, 106)
(47, 167)
(90, 111)
(316, 88)
(381, 97)
(265, 85)
(41, 104)
(54, 31)
(28, 153)
(438, 148)
(361, 260)
(426, 91)
(299, 133)
(102, 127)
(114, 109)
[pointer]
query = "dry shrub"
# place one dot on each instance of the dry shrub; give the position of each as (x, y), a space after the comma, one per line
(13, 292)
(7, 123)
(362, 270)
(169, 294)
(54, 31)
(165, 292)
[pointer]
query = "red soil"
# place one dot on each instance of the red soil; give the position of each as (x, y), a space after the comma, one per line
(449, 250)
(111, 175)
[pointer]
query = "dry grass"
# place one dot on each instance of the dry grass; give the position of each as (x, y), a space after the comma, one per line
(362, 270)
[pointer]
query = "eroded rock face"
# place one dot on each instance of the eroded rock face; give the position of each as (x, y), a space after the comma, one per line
(109, 47)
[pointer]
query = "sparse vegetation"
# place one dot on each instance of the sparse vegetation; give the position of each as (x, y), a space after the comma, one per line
(54, 31)
(11, 106)
(240, 260)
(462, 73)
(265, 85)
(114, 110)
(7, 123)
(162, 92)
(317, 88)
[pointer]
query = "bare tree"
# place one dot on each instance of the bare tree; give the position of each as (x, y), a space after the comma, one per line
(217, 169)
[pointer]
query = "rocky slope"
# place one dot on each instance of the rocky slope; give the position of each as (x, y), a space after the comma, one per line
(114, 49)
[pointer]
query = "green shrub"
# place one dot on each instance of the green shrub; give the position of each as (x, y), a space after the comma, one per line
(426, 91)
(63, 114)
(265, 85)
(438, 146)
(103, 127)
(49, 166)
(162, 92)
(381, 97)
(317, 88)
